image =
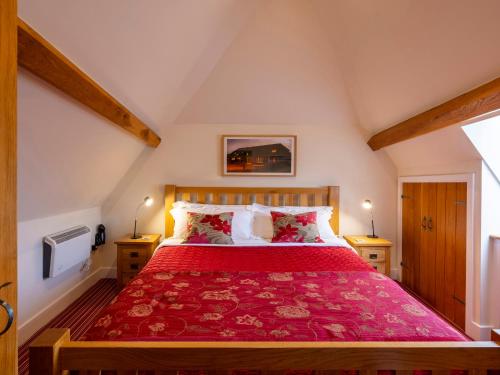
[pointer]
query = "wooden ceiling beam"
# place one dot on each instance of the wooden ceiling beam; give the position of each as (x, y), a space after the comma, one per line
(479, 101)
(42, 59)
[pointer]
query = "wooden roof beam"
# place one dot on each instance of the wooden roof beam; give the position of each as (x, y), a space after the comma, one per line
(479, 101)
(42, 59)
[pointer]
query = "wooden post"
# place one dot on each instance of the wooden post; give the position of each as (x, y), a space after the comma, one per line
(479, 101)
(8, 189)
(169, 201)
(495, 335)
(44, 351)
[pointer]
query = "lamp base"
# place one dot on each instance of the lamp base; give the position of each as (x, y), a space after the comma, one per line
(136, 236)
(371, 236)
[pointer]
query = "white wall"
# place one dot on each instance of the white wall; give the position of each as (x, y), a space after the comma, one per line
(484, 134)
(490, 249)
(69, 158)
(193, 158)
(40, 300)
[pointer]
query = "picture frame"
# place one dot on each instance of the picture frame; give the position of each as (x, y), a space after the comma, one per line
(259, 155)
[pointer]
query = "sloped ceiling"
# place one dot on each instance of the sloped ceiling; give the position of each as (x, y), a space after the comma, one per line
(402, 57)
(159, 57)
(68, 158)
(279, 70)
(150, 55)
(484, 135)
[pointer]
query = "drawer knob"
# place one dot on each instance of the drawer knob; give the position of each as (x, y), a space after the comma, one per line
(134, 254)
(134, 266)
(373, 256)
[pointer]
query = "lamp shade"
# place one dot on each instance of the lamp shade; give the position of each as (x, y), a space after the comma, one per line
(367, 204)
(148, 201)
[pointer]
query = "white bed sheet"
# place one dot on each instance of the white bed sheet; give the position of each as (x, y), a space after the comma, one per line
(261, 242)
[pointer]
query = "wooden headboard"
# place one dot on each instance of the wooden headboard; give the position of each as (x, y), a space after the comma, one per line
(271, 196)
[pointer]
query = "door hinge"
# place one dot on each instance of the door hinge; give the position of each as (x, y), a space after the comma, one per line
(406, 196)
(460, 202)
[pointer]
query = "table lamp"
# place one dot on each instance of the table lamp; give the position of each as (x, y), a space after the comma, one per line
(148, 201)
(367, 205)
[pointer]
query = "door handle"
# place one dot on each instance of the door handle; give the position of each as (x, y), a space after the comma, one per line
(10, 314)
(424, 223)
(429, 224)
(5, 284)
(458, 299)
(8, 309)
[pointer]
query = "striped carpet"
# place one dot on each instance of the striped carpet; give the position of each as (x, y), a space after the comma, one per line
(77, 317)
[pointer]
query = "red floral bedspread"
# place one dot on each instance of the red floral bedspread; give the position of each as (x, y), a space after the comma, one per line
(190, 293)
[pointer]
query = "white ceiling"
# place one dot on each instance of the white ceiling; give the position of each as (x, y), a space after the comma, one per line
(401, 57)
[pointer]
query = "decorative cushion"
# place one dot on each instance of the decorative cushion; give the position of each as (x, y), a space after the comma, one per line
(263, 223)
(295, 228)
(205, 228)
(241, 227)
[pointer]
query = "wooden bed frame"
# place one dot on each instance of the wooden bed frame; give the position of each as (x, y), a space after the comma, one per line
(54, 353)
(321, 196)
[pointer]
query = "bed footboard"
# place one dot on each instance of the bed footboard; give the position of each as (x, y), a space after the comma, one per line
(53, 353)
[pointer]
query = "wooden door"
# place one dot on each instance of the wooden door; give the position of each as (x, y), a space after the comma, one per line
(434, 244)
(410, 262)
(8, 221)
(427, 280)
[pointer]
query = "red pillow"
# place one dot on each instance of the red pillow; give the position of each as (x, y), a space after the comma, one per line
(295, 228)
(205, 228)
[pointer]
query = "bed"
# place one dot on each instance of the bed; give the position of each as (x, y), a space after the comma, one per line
(256, 306)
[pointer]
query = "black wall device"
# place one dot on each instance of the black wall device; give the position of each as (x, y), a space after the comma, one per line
(100, 236)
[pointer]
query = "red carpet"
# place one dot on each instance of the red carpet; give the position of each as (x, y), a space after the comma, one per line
(77, 317)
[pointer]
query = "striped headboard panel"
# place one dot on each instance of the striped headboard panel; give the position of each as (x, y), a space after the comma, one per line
(272, 196)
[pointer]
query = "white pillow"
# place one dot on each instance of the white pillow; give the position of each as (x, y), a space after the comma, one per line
(263, 222)
(241, 224)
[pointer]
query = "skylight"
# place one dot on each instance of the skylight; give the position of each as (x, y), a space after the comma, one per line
(485, 136)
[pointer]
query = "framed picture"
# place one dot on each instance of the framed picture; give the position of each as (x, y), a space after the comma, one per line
(259, 155)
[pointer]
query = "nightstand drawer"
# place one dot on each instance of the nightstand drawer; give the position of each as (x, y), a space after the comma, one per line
(380, 267)
(133, 265)
(134, 253)
(373, 254)
(376, 251)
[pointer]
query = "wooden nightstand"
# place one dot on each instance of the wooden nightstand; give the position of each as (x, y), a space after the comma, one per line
(132, 255)
(376, 251)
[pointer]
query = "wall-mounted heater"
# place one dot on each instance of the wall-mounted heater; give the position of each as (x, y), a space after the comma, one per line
(63, 250)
